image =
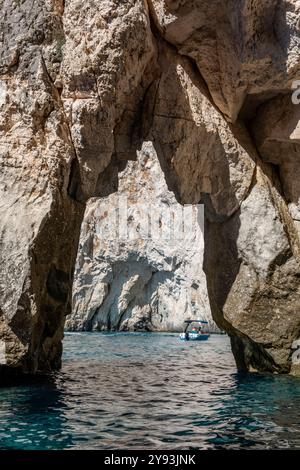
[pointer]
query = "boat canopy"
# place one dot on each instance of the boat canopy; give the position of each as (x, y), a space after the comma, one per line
(188, 323)
(196, 321)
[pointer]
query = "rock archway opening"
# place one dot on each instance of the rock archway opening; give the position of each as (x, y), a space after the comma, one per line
(139, 265)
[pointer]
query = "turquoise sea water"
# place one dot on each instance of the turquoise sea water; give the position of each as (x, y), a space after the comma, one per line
(150, 391)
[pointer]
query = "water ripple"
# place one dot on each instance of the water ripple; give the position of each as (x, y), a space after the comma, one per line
(150, 391)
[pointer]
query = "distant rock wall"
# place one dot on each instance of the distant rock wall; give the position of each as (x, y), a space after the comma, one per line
(152, 279)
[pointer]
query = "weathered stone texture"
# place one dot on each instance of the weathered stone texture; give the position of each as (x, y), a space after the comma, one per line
(209, 83)
(151, 277)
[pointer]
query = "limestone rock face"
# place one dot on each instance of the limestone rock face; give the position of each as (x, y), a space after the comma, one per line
(37, 215)
(262, 281)
(68, 103)
(209, 84)
(246, 51)
(108, 62)
(151, 277)
(277, 134)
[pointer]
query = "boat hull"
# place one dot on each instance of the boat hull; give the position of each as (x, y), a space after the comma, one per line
(194, 337)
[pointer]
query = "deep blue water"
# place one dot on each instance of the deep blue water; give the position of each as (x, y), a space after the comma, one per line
(150, 391)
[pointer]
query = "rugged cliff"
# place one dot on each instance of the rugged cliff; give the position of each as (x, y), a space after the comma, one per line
(145, 274)
(209, 84)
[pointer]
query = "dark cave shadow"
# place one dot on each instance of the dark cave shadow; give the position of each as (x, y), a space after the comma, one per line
(221, 258)
(35, 405)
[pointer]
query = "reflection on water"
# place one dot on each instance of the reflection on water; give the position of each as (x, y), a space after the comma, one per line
(150, 391)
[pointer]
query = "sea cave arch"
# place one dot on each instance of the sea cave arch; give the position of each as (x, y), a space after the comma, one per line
(79, 92)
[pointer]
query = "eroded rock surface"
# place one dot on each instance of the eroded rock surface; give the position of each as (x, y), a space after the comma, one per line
(209, 84)
(151, 277)
(246, 51)
(71, 83)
